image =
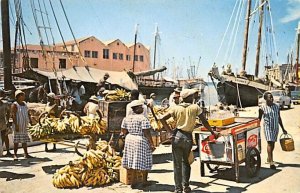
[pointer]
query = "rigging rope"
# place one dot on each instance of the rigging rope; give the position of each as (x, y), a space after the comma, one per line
(273, 34)
(223, 38)
(60, 33)
(80, 54)
(234, 29)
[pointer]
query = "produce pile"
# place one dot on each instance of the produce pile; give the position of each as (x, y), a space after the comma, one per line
(95, 168)
(68, 125)
(157, 125)
(117, 95)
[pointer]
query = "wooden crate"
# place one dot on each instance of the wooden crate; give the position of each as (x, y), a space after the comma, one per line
(126, 176)
(221, 122)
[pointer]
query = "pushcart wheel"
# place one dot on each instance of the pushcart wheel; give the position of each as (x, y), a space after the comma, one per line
(253, 161)
(212, 167)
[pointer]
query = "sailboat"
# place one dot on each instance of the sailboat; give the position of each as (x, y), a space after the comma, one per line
(244, 89)
(149, 83)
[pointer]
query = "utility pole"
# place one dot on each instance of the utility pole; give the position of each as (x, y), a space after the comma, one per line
(6, 45)
(134, 48)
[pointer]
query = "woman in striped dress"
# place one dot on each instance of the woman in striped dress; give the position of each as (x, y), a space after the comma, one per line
(138, 142)
(271, 114)
(21, 120)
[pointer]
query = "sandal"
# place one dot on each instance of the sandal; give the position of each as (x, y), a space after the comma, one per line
(28, 156)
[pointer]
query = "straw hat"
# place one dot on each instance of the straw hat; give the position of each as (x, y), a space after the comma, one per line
(187, 92)
(18, 92)
(94, 98)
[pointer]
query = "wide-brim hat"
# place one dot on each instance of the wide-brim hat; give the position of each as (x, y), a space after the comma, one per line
(18, 92)
(94, 98)
(136, 103)
(187, 92)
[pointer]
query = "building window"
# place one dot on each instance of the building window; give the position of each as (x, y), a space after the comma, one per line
(106, 53)
(87, 53)
(128, 57)
(94, 54)
(121, 56)
(62, 63)
(136, 58)
(34, 62)
(115, 56)
(72, 48)
(142, 58)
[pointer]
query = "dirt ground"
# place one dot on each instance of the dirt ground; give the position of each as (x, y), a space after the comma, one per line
(34, 175)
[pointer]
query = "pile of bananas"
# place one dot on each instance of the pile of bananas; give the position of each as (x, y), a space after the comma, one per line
(117, 95)
(95, 168)
(69, 125)
(159, 111)
(92, 125)
(69, 176)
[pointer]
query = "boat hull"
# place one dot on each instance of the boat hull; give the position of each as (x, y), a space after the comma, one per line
(159, 91)
(229, 92)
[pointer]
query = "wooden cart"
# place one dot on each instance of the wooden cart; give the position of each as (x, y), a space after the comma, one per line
(240, 142)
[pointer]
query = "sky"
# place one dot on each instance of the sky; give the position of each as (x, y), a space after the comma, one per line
(191, 31)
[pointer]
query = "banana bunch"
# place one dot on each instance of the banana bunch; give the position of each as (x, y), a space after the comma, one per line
(117, 95)
(157, 125)
(93, 159)
(95, 177)
(92, 125)
(38, 132)
(73, 122)
(112, 160)
(69, 176)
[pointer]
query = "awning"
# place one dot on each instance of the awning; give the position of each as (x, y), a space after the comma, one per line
(84, 74)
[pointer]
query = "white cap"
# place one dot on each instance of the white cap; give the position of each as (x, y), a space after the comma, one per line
(18, 92)
(187, 92)
(51, 94)
(152, 94)
(135, 103)
(94, 98)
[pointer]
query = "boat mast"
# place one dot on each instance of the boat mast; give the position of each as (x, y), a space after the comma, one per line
(297, 53)
(244, 59)
(134, 48)
(6, 45)
(261, 13)
(154, 54)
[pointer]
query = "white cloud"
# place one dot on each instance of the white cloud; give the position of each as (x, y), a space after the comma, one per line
(293, 11)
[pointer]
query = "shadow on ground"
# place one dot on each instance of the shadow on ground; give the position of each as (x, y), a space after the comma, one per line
(51, 169)
(23, 162)
(162, 158)
(14, 176)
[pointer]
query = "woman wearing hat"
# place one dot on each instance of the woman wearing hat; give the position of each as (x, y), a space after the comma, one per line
(138, 148)
(21, 119)
(91, 109)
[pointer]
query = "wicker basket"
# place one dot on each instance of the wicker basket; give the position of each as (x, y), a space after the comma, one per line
(287, 142)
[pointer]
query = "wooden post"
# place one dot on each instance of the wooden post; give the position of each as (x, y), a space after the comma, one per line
(6, 45)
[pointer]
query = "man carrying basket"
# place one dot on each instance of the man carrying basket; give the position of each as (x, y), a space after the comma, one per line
(272, 119)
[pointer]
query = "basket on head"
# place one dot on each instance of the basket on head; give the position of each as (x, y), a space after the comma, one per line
(287, 142)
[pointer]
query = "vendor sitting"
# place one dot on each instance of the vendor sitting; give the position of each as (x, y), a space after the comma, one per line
(91, 109)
